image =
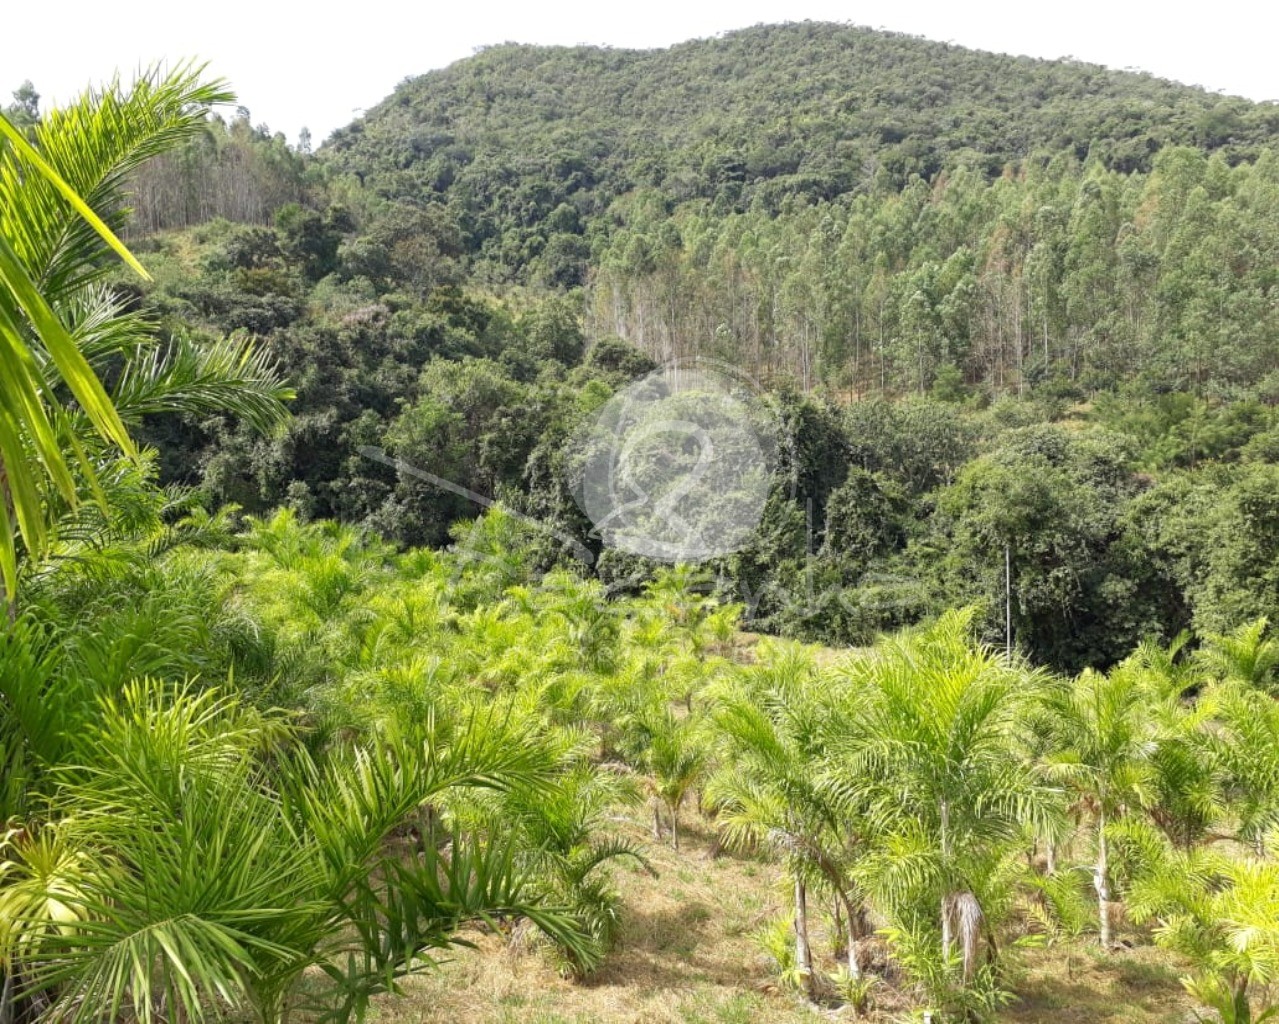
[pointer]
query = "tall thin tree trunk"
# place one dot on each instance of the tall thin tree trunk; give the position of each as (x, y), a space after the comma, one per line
(1008, 599)
(946, 909)
(803, 952)
(1101, 882)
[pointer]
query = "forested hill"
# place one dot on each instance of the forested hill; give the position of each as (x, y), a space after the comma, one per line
(1052, 287)
(527, 142)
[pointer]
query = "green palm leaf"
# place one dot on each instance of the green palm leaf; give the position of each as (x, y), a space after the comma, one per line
(58, 200)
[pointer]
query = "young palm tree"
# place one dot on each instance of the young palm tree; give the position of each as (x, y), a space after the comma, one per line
(932, 746)
(591, 626)
(563, 833)
(1104, 746)
(1245, 748)
(51, 247)
(675, 759)
(768, 792)
(1218, 911)
(1186, 793)
(1247, 656)
(213, 862)
(61, 197)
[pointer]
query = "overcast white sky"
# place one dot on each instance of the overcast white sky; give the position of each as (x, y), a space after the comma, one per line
(296, 65)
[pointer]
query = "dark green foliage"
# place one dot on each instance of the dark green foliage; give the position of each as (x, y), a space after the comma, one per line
(1050, 502)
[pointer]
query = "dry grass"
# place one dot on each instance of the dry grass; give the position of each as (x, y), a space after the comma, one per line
(686, 956)
(1078, 985)
(685, 953)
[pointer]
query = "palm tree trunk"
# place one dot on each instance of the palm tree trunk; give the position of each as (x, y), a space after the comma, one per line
(970, 917)
(6, 996)
(10, 601)
(962, 919)
(947, 926)
(803, 952)
(1101, 882)
(947, 906)
(855, 923)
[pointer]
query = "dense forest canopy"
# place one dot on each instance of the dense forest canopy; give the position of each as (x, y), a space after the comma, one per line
(744, 121)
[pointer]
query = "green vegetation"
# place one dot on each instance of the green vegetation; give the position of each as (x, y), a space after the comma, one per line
(293, 746)
(1057, 355)
(533, 150)
(282, 722)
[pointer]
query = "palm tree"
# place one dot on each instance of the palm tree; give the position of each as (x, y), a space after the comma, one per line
(1104, 745)
(1216, 909)
(1246, 656)
(1185, 794)
(210, 861)
(51, 247)
(562, 831)
(768, 792)
(931, 746)
(591, 625)
(1245, 748)
(675, 760)
(62, 196)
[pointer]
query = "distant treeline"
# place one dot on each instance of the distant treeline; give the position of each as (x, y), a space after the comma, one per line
(233, 170)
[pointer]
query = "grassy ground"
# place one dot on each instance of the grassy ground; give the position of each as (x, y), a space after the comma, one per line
(686, 956)
(1077, 985)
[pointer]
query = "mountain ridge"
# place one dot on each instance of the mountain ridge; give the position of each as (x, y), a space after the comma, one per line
(525, 142)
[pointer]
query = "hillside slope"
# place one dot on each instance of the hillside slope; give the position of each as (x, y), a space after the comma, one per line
(528, 143)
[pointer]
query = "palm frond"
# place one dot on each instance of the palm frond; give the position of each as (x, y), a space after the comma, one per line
(91, 146)
(51, 243)
(233, 375)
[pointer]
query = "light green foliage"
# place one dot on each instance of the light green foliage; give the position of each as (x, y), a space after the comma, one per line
(457, 739)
